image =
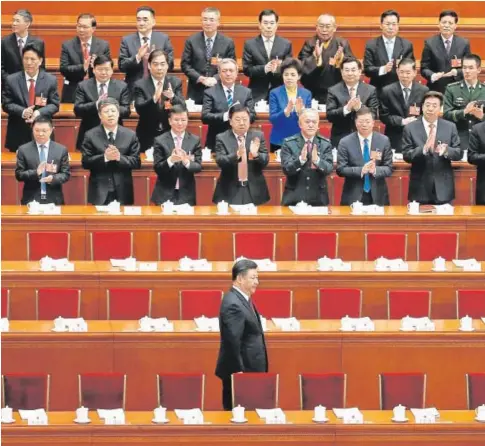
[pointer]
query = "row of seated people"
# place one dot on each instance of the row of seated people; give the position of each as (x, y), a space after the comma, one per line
(249, 390)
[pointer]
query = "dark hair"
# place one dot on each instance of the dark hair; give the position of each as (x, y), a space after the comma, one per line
(449, 12)
(364, 110)
(390, 12)
(176, 109)
(290, 62)
(266, 12)
(102, 59)
(433, 94)
(236, 108)
(474, 57)
(241, 267)
(42, 119)
(146, 8)
(25, 13)
(108, 101)
(407, 61)
(350, 59)
(35, 47)
(156, 53)
(87, 15)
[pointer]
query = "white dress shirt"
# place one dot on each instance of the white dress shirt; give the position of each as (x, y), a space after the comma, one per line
(225, 117)
(106, 86)
(268, 44)
(427, 124)
(382, 70)
(27, 78)
(244, 294)
(213, 39)
(46, 146)
(141, 36)
(174, 137)
(361, 141)
(355, 87)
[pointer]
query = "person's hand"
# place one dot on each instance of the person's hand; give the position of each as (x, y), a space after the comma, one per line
(241, 149)
(168, 93)
(28, 112)
(33, 116)
(299, 105)
(290, 106)
(388, 66)
(304, 154)
(254, 147)
(317, 52)
(437, 76)
(478, 112)
(314, 154)
(176, 156)
(271, 66)
(142, 51)
(41, 168)
(408, 120)
(453, 72)
(51, 168)
(209, 81)
(158, 93)
(112, 153)
(469, 108)
(358, 103)
(371, 167)
(354, 103)
(442, 149)
(87, 63)
(47, 179)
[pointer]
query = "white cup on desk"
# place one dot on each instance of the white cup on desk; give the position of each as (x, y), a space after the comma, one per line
(413, 208)
(356, 208)
(466, 323)
(7, 414)
(33, 207)
(479, 412)
(160, 414)
(222, 208)
(82, 414)
(439, 264)
(399, 413)
(238, 414)
(59, 324)
(320, 413)
(168, 208)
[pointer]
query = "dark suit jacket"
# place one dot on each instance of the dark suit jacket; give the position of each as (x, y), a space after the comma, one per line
(129, 48)
(93, 148)
(227, 160)
(167, 176)
(87, 95)
(349, 165)
(434, 60)
(11, 57)
(302, 182)
(431, 170)
(338, 96)
(254, 60)
(319, 79)
(215, 105)
(26, 170)
(194, 61)
(16, 99)
(154, 117)
(243, 348)
(393, 109)
(476, 156)
(72, 64)
(375, 56)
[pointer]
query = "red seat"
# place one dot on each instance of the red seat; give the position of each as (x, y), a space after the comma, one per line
(413, 303)
(437, 244)
(53, 244)
(254, 245)
(244, 81)
(475, 390)
(152, 180)
(181, 390)
(106, 245)
(408, 389)
(273, 303)
(5, 310)
(267, 128)
(325, 129)
(311, 246)
(203, 139)
(128, 303)
(336, 303)
(470, 303)
(173, 245)
(102, 390)
(26, 390)
(54, 302)
(255, 390)
(336, 187)
(325, 389)
(388, 245)
(196, 303)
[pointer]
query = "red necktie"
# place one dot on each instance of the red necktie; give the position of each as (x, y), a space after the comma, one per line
(85, 51)
(31, 92)
(178, 145)
(242, 167)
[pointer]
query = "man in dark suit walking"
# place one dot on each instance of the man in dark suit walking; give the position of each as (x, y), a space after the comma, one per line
(42, 165)
(78, 54)
(263, 55)
(346, 98)
(135, 48)
(476, 156)
(219, 99)
(27, 95)
(202, 53)
(91, 91)
(364, 159)
(443, 54)
(110, 152)
(401, 102)
(430, 144)
(242, 155)
(154, 96)
(243, 347)
(177, 157)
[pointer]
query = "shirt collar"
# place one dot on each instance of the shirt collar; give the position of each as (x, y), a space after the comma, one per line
(89, 42)
(361, 139)
(444, 40)
(427, 124)
(271, 39)
(392, 40)
(23, 39)
(356, 86)
(239, 290)
(469, 85)
(225, 88)
(115, 131)
(155, 82)
(105, 83)
(46, 144)
(28, 77)
(174, 135)
(403, 87)
(307, 139)
(141, 37)
(237, 136)
(207, 37)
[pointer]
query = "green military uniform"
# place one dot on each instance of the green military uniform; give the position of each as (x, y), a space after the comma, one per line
(457, 96)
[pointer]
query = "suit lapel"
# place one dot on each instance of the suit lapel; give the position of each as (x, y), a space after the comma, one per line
(381, 49)
(244, 301)
(78, 50)
(454, 47)
(345, 92)
(276, 48)
(15, 47)
(398, 49)
(358, 150)
(222, 96)
(23, 88)
(412, 95)
(400, 98)
(262, 48)
(422, 131)
(112, 89)
(361, 91)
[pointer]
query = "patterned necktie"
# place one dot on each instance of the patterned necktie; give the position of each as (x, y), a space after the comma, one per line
(352, 92)
(208, 48)
(102, 90)
(366, 160)
(21, 46)
(447, 46)
(406, 95)
(267, 44)
(145, 59)
(111, 138)
(242, 166)
(229, 98)
(85, 51)
(431, 137)
(43, 158)
(309, 151)
(389, 49)
(31, 92)
(178, 145)
(159, 84)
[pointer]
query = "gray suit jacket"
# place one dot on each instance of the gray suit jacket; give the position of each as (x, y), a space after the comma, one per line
(476, 156)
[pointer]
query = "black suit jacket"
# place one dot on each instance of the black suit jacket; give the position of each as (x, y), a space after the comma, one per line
(254, 60)
(167, 176)
(215, 105)
(72, 64)
(194, 61)
(154, 117)
(431, 171)
(338, 96)
(375, 56)
(16, 99)
(243, 347)
(393, 109)
(26, 170)
(476, 156)
(434, 60)
(93, 148)
(302, 182)
(87, 95)
(227, 160)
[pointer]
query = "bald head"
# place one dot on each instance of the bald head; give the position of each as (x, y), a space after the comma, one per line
(326, 27)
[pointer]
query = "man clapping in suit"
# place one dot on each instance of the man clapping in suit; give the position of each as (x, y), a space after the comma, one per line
(476, 157)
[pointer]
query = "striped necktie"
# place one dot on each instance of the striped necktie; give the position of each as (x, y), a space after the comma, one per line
(366, 160)
(43, 158)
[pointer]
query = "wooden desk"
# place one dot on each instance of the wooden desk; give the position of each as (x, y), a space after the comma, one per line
(455, 428)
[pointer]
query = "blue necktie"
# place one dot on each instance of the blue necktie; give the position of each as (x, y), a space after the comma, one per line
(389, 49)
(366, 160)
(43, 186)
(229, 98)
(208, 48)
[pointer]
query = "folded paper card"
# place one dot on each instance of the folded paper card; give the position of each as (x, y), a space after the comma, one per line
(340, 413)
(159, 324)
(132, 210)
(206, 155)
(303, 208)
(34, 416)
(128, 264)
(444, 209)
(328, 264)
(278, 156)
(187, 264)
(49, 264)
(245, 209)
(114, 208)
(103, 413)
(149, 154)
(424, 416)
(272, 416)
(468, 265)
(383, 264)
(357, 324)
(35, 208)
(263, 264)
(287, 324)
(417, 324)
(74, 325)
(207, 323)
(357, 208)
(190, 416)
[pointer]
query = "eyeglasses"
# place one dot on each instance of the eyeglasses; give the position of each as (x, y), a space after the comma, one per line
(325, 26)
(78, 26)
(350, 71)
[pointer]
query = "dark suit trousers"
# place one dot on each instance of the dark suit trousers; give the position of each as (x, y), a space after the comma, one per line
(243, 196)
(227, 393)
(367, 198)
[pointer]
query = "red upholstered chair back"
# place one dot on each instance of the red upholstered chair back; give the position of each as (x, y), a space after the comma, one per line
(128, 303)
(475, 390)
(203, 139)
(244, 81)
(388, 245)
(102, 390)
(106, 245)
(26, 390)
(196, 303)
(311, 246)
(151, 185)
(181, 390)
(336, 303)
(273, 303)
(267, 128)
(325, 129)
(54, 302)
(470, 303)
(53, 244)
(413, 303)
(5, 310)
(336, 186)
(326, 389)
(254, 245)
(437, 244)
(172, 245)
(408, 389)
(255, 390)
